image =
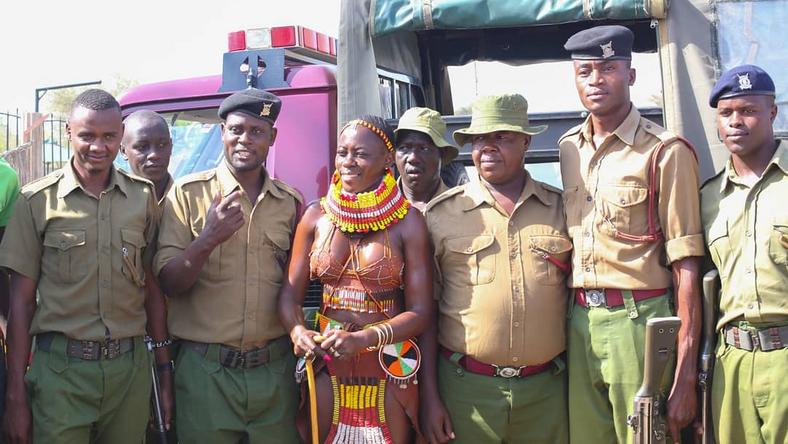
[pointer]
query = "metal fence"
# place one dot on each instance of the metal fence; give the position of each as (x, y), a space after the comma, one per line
(10, 123)
(55, 143)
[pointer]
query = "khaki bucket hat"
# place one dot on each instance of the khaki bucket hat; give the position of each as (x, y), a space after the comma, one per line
(429, 122)
(506, 112)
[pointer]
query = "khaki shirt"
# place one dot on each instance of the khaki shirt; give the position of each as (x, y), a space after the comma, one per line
(441, 189)
(74, 243)
(747, 233)
(500, 301)
(605, 190)
(234, 299)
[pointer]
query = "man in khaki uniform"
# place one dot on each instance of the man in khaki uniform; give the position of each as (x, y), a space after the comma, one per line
(421, 149)
(746, 225)
(78, 237)
(147, 147)
(502, 255)
(224, 241)
(631, 199)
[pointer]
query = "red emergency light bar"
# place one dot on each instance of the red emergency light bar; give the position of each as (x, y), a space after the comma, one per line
(296, 38)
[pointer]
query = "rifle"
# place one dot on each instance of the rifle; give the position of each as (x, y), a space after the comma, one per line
(158, 412)
(710, 285)
(646, 421)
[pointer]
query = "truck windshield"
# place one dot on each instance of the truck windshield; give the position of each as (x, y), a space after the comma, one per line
(196, 142)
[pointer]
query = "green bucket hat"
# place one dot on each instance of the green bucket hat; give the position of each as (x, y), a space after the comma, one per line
(429, 122)
(506, 112)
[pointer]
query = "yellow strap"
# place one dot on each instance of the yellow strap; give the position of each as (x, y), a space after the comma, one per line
(310, 380)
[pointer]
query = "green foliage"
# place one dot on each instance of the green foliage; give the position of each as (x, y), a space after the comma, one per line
(58, 102)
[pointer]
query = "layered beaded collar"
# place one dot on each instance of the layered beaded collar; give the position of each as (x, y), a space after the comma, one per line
(368, 211)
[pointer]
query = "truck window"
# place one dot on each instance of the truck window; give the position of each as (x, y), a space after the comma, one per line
(549, 87)
(745, 34)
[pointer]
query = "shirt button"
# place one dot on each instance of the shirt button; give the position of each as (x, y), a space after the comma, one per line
(515, 359)
(587, 234)
(589, 198)
(588, 269)
(748, 270)
(469, 249)
(516, 324)
(748, 233)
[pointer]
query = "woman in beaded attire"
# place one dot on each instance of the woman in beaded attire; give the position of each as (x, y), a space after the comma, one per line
(372, 255)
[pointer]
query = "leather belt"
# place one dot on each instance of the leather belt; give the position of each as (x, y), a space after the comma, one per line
(766, 339)
(478, 367)
(232, 357)
(87, 350)
(611, 297)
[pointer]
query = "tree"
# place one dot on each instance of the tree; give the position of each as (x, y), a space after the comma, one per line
(58, 102)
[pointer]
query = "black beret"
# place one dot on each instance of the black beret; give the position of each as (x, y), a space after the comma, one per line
(254, 102)
(743, 80)
(612, 42)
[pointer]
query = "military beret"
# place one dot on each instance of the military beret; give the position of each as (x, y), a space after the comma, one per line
(613, 42)
(254, 102)
(743, 80)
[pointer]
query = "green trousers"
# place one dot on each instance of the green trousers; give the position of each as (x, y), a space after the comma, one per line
(489, 409)
(78, 401)
(750, 396)
(605, 361)
(217, 405)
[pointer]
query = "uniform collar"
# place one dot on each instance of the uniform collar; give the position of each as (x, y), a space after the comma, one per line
(70, 182)
(166, 189)
(779, 160)
(228, 183)
(479, 193)
(625, 131)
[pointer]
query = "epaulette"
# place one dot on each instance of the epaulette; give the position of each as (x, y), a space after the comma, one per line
(41, 183)
(712, 178)
(443, 197)
(201, 176)
(572, 131)
(657, 131)
(550, 188)
(289, 190)
(134, 177)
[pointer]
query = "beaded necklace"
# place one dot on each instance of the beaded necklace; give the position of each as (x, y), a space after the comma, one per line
(368, 211)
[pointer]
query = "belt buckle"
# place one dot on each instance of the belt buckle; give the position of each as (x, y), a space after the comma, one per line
(89, 350)
(596, 298)
(256, 358)
(507, 371)
(111, 349)
(233, 359)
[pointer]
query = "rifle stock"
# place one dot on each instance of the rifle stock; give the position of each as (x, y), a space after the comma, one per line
(646, 420)
(710, 289)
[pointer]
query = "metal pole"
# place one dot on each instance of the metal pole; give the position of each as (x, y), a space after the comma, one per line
(40, 92)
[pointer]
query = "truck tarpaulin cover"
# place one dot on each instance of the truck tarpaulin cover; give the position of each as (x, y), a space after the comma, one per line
(389, 16)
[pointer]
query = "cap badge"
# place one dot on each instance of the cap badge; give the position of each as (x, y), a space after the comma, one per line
(607, 50)
(744, 81)
(266, 111)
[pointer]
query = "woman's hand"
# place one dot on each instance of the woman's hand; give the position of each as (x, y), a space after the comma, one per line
(343, 345)
(304, 341)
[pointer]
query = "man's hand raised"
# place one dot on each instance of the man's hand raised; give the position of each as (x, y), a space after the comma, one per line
(224, 218)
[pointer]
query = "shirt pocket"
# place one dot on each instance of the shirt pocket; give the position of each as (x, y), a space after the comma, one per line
(778, 244)
(132, 245)
(69, 255)
(719, 244)
(471, 260)
(275, 250)
(551, 258)
(625, 209)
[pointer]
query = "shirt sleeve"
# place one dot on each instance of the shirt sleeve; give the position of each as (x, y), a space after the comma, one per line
(22, 246)
(9, 190)
(175, 232)
(679, 203)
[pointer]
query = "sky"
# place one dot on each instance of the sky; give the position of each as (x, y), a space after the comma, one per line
(48, 42)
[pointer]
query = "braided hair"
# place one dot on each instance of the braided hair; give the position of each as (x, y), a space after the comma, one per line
(377, 125)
